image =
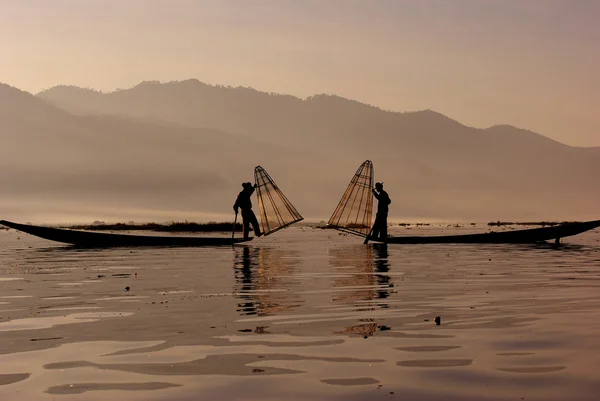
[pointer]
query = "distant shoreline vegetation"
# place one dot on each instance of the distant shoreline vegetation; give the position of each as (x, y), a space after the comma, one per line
(186, 226)
(528, 223)
(323, 225)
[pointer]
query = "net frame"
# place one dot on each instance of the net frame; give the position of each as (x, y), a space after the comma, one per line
(267, 189)
(349, 216)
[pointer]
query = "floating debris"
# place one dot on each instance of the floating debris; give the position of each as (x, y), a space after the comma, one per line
(46, 339)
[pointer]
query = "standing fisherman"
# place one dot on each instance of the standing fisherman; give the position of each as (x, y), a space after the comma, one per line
(380, 226)
(243, 202)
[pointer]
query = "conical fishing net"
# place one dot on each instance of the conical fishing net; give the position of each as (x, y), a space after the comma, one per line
(353, 213)
(276, 211)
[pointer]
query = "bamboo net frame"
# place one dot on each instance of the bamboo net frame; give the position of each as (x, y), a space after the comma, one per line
(276, 211)
(354, 211)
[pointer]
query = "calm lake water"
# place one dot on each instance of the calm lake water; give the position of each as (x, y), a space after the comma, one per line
(305, 314)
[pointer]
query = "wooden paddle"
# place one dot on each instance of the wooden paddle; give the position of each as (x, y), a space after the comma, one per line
(368, 235)
(233, 229)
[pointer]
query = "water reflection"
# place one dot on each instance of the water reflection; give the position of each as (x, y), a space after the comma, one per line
(264, 280)
(363, 281)
(381, 265)
(364, 273)
(243, 267)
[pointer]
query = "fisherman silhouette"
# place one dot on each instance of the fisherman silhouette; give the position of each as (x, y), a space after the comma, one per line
(379, 231)
(243, 202)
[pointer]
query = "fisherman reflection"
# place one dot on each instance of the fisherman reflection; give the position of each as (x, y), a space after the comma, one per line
(262, 280)
(379, 232)
(363, 284)
(381, 265)
(354, 279)
(244, 263)
(243, 202)
(364, 275)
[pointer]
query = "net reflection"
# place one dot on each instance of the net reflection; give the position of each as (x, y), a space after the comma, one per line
(263, 280)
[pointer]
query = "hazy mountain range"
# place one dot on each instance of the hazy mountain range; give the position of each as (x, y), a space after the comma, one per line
(180, 150)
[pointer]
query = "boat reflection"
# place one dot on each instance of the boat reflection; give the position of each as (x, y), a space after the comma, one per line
(264, 280)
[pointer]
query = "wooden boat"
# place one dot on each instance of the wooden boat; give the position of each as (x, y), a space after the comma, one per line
(354, 213)
(528, 236)
(91, 239)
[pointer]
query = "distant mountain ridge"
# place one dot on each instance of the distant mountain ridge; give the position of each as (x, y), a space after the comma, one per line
(118, 163)
(66, 94)
(186, 146)
(270, 116)
(336, 127)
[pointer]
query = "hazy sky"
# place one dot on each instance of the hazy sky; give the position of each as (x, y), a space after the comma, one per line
(530, 63)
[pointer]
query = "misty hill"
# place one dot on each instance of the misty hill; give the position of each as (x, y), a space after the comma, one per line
(316, 121)
(324, 123)
(185, 146)
(106, 164)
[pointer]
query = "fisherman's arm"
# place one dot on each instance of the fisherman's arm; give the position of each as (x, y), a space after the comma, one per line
(236, 204)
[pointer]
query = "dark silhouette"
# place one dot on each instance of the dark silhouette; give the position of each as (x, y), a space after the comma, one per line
(383, 200)
(527, 236)
(243, 202)
(93, 239)
(171, 227)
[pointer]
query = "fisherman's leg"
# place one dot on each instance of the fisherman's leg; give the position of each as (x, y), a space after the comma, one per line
(382, 226)
(375, 232)
(246, 219)
(376, 228)
(384, 229)
(255, 224)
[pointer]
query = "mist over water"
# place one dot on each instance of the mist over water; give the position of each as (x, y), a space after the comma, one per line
(181, 150)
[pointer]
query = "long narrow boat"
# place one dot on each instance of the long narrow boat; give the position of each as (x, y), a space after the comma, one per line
(528, 236)
(91, 239)
(354, 211)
